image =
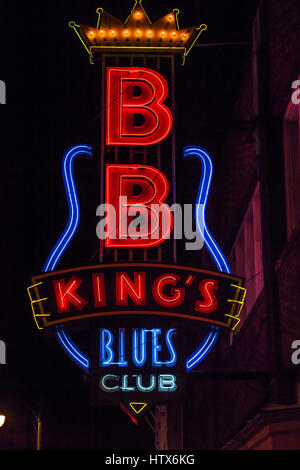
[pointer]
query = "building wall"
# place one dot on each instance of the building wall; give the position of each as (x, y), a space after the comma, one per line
(284, 48)
(288, 273)
(229, 404)
(274, 428)
(237, 169)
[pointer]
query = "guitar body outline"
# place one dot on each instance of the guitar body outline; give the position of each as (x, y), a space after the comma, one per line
(72, 224)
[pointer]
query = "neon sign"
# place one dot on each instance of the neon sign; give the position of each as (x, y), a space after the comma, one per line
(153, 189)
(143, 310)
(138, 339)
(163, 383)
(122, 105)
(135, 349)
(138, 289)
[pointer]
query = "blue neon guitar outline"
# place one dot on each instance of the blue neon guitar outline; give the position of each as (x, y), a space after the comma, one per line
(73, 221)
(211, 244)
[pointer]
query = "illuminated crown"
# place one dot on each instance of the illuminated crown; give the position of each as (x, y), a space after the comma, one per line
(137, 34)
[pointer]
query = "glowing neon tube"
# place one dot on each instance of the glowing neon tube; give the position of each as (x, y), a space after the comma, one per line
(211, 244)
(74, 215)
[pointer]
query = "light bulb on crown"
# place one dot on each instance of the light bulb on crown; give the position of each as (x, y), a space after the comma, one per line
(160, 34)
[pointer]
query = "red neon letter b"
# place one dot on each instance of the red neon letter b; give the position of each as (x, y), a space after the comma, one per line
(131, 190)
(135, 113)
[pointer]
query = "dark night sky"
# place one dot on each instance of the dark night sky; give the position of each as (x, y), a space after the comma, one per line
(53, 99)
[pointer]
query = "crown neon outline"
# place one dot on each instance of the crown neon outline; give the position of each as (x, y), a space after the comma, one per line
(137, 34)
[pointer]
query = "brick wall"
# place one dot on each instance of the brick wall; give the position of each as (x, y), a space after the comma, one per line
(227, 405)
(288, 274)
(284, 49)
(237, 170)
